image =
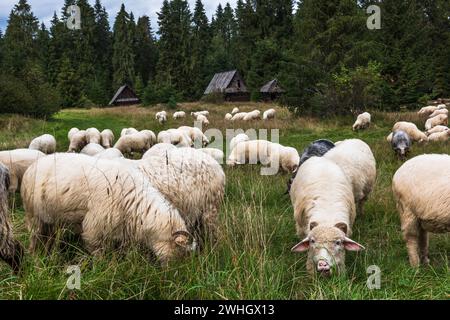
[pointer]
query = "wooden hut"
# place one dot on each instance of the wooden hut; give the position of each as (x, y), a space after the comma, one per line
(230, 84)
(125, 96)
(271, 90)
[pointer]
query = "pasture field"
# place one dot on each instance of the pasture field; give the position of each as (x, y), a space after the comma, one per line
(252, 259)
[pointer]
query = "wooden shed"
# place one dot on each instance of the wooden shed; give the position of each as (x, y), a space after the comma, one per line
(271, 90)
(125, 96)
(230, 84)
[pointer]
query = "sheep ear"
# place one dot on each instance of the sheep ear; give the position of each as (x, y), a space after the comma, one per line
(312, 225)
(351, 245)
(342, 226)
(301, 246)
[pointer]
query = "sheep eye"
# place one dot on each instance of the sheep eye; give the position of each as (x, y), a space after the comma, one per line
(338, 242)
(313, 241)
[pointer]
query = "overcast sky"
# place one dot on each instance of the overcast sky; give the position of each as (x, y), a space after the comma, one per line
(43, 9)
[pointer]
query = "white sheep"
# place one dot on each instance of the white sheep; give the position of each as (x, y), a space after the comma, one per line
(92, 149)
(237, 139)
(324, 212)
(228, 117)
(441, 106)
(137, 142)
(441, 119)
(239, 116)
(45, 143)
(110, 154)
(161, 117)
(72, 132)
(266, 153)
(437, 129)
(104, 201)
(77, 141)
(175, 137)
(179, 115)
(356, 160)
(192, 181)
(216, 154)
(11, 251)
(420, 188)
(202, 119)
(253, 115)
(411, 129)
(93, 136)
(17, 161)
(204, 113)
(362, 121)
(159, 150)
(439, 136)
(235, 110)
(151, 136)
(269, 114)
(196, 135)
(438, 112)
(107, 138)
(426, 111)
(127, 131)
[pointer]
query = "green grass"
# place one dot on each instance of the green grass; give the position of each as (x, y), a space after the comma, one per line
(252, 259)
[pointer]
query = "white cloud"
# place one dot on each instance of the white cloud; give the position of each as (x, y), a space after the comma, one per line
(44, 9)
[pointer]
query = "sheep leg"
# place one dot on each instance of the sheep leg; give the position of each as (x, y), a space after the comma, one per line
(93, 241)
(40, 236)
(411, 231)
(423, 246)
(209, 225)
(163, 251)
(412, 245)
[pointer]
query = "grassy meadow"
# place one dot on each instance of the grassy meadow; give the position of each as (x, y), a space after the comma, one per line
(252, 259)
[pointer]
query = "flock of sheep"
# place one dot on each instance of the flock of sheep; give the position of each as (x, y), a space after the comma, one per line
(169, 200)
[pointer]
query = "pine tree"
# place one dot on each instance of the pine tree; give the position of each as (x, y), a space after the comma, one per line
(201, 44)
(145, 50)
(123, 57)
(19, 45)
(246, 35)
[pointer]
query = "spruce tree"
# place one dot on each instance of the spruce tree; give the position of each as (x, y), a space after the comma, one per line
(145, 50)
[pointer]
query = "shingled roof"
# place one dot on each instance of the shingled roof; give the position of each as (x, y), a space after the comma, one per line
(272, 87)
(220, 82)
(129, 98)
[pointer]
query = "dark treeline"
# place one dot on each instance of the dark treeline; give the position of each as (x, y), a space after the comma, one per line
(321, 51)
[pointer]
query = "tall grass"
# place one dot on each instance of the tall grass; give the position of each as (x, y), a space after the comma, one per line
(252, 259)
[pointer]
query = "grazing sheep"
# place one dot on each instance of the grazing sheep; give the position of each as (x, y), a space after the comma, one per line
(439, 136)
(196, 135)
(161, 117)
(193, 182)
(235, 110)
(151, 136)
(254, 115)
(216, 154)
(438, 112)
(127, 131)
(356, 160)
(176, 137)
(324, 212)
(11, 250)
(401, 144)
(316, 149)
(426, 111)
(77, 141)
(362, 121)
(110, 154)
(107, 138)
(437, 129)
(92, 149)
(228, 117)
(269, 114)
(202, 113)
(420, 188)
(441, 106)
(179, 115)
(266, 153)
(239, 116)
(93, 136)
(72, 132)
(241, 137)
(412, 131)
(107, 203)
(137, 142)
(45, 143)
(17, 161)
(202, 119)
(159, 150)
(441, 119)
